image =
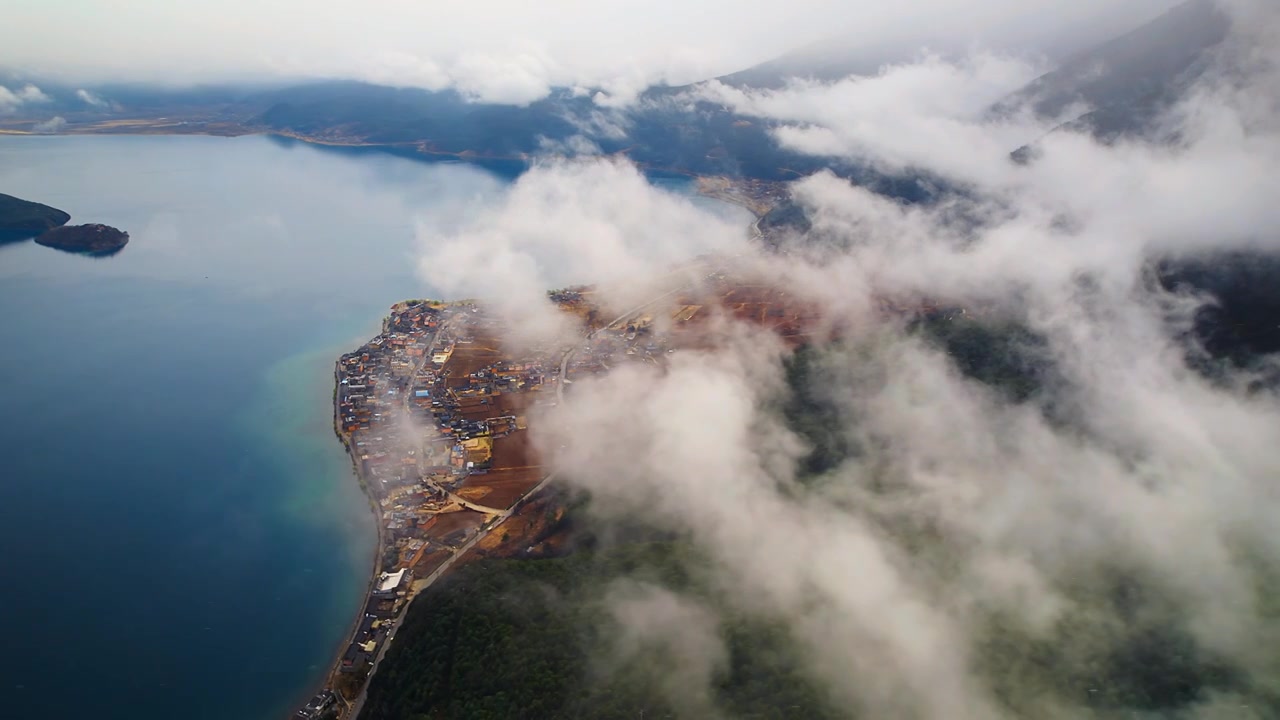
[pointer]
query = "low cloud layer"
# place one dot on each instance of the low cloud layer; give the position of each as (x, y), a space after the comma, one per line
(11, 100)
(510, 51)
(567, 222)
(1103, 547)
(925, 113)
(51, 126)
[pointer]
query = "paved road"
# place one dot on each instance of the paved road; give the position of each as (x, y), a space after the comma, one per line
(473, 506)
(426, 582)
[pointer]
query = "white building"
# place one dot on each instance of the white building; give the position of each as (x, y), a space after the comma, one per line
(388, 582)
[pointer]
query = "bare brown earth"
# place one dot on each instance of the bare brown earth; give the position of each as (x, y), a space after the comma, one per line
(430, 560)
(694, 314)
(445, 524)
(504, 487)
(469, 357)
(515, 471)
(535, 525)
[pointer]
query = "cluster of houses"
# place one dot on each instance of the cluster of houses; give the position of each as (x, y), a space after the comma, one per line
(416, 428)
(375, 624)
(465, 410)
(372, 379)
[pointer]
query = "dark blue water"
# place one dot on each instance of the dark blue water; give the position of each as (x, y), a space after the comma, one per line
(181, 533)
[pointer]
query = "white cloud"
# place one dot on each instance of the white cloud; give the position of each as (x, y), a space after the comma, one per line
(11, 100)
(52, 125)
(32, 94)
(507, 50)
(518, 79)
(566, 222)
(927, 113)
(91, 99)
(8, 100)
(397, 68)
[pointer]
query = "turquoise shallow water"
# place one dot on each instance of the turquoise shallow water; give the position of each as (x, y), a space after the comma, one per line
(181, 534)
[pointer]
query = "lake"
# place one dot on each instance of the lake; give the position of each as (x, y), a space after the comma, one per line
(182, 534)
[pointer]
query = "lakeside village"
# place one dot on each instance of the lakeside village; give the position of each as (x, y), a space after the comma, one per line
(421, 408)
(435, 416)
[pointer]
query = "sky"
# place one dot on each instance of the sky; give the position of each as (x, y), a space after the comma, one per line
(509, 50)
(1105, 548)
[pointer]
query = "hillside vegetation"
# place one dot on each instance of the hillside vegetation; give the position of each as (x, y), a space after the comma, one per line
(536, 639)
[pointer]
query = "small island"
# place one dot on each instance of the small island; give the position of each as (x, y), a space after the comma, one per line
(92, 239)
(21, 219)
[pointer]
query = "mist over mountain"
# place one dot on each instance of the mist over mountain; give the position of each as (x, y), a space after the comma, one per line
(1123, 84)
(1021, 32)
(673, 127)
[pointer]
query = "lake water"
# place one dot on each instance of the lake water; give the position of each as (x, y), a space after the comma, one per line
(181, 533)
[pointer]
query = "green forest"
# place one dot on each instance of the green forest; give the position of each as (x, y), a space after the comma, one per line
(532, 639)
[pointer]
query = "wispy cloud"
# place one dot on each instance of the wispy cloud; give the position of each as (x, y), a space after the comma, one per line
(52, 125)
(91, 99)
(11, 100)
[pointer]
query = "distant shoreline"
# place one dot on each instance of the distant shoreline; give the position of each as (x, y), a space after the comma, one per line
(418, 149)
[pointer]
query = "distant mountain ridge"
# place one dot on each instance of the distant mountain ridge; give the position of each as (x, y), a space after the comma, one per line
(661, 132)
(1122, 80)
(668, 129)
(1124, 83)
(1055, 38)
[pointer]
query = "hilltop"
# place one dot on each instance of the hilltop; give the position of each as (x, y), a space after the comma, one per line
(1121, 86)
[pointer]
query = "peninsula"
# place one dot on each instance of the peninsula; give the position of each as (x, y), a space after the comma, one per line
(21, 219)
(91, 239)
(434, 412)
